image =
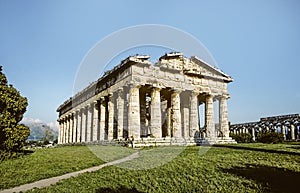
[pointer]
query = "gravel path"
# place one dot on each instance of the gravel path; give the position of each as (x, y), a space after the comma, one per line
(54, 180)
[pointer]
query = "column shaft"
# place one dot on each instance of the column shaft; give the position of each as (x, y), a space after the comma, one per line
(79, 126)
(96, 121)
(194, 114)
(292, 132)
(63, 131)
(75, 126)
(223, 117)
(59, 132)
(71, 128)
(89, 123)
(209, 117)
(169, 121)
(134, 124)
(253, 134)
(84, 128)
(102, 118)
(155, 111)
(120, 110)
(110, 104)
(67, 129)
(283, 131)
(144, 131)
(176, 117)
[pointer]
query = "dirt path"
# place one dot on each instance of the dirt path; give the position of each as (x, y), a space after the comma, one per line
(54, 180)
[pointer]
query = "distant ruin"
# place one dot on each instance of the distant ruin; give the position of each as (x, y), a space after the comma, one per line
(288, 125)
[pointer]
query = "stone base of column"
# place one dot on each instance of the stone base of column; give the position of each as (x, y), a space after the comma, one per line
(166, 141)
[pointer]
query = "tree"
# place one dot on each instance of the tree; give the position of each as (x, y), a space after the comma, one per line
(48, 134)
(12, 107)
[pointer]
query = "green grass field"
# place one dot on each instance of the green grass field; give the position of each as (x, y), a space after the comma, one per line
(45, 163)
(195, 169)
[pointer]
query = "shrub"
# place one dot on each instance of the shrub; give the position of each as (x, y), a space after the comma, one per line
(270, 137)
(12, 107)
(242, 137)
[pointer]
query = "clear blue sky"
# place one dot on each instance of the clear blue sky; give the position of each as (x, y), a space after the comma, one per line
(256, 42)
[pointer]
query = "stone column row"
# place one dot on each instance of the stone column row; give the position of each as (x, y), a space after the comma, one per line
(117, 116)
(293, 130)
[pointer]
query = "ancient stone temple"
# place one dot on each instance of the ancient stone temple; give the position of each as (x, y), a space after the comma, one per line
(151, 103)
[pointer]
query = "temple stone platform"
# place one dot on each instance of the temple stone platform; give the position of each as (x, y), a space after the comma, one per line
(167, 141)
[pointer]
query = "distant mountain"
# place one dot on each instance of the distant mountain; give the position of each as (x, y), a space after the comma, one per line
(37, 131)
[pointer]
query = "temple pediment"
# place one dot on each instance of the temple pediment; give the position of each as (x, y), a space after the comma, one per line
(193, 66)
(200, 67)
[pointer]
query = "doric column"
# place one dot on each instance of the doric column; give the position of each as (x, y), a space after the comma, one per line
(223, 116)
(194, 114)
(275, 127)
(283, 131)
(68, 129)
(292, 132)
(71, 128)
(120, 110)
(102, 118)
(89, 122)
(75, 126)
(253, 133)
(96, 121)
(209, 117)
(155, 111)
(134, 124)
(144, 129)
(176, 116)
(79, 125)
(60, 128)
(63, 131)
(169, 120)
(84, 127)
(110, 104)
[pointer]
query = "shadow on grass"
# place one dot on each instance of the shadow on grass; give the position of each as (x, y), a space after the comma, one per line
(294, 147)
(273, 179)
(257, 149)
(26, 152)
(121, 189)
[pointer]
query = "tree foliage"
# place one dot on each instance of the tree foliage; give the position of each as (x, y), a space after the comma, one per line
(48, 134)
(242, 137)
(270, 137)
(12, 107)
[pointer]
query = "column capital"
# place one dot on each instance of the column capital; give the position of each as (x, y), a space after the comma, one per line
(133, 85)
(222, 97)
(210, 97)
(120, 89)
(157, 89)
(96, 104)
(110, 96)
(84, 109)
(176, 91)
(195, 92)
(90, 107)
(102, 99)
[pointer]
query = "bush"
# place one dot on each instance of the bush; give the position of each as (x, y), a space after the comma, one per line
(242, 137)
(12, 107)
(270, 137)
